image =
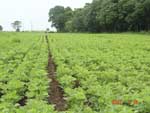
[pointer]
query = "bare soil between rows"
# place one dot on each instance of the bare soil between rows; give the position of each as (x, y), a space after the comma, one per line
(56, 93)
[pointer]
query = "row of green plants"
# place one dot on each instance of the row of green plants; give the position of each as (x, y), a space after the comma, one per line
(96, 70)
(99, 73)
(23, 78)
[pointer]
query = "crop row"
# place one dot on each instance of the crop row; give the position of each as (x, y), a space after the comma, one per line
(96, 70)
(98, 73)
(25, 88)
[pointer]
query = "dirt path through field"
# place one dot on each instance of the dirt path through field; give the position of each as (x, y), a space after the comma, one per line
(56, 94)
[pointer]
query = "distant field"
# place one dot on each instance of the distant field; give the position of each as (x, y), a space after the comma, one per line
(79, 73)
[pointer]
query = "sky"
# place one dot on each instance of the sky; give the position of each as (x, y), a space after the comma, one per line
(32, 13)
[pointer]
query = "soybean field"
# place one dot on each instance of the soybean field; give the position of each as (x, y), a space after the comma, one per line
(74, 73)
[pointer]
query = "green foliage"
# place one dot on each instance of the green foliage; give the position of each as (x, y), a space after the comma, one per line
(103, 16)
(23, 74)
(59, 16)
(36, 106)
(107, 67)
(92, 69)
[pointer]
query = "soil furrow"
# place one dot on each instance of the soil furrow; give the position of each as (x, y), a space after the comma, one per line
(56, 93)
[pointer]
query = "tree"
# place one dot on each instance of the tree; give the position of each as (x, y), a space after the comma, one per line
(59, 16)
(103, 16)
(68, 16)
(16, 25)
(78, 21)
(146, 5)
(1, 28)
(56, 16)
(47, 29)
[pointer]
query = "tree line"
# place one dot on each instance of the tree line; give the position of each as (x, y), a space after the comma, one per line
(103, 16)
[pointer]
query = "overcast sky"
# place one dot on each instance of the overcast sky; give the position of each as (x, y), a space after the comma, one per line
(32, 13)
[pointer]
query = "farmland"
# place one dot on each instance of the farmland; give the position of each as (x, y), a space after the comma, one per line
(74, 73)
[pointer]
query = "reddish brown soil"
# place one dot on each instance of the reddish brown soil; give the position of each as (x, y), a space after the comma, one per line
(56, 93)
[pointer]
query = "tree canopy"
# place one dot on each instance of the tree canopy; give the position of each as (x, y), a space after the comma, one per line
(16, 25)
(1, 28)
(59, 17)
(103, 16)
